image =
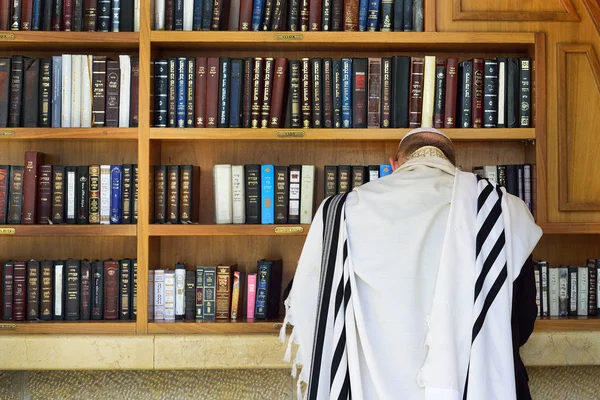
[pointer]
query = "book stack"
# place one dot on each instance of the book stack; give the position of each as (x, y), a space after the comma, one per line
(344, 178)
(69, 290)
(519, 180)
(39, 193)
(567, 291)
(392, 92)
(289, 15)
(69, 15)
(176, 194)
(69, 91)
(209, 293)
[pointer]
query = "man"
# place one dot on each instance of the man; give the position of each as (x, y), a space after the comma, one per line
(418, 285)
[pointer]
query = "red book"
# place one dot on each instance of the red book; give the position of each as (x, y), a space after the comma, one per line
(169, 6)
(246, 15)
(278, 95)
(33, 160)
(451, 92)
(200, 92)
(4, 174)
(416, 92)
(4, 14)
(374, 102)
(360, 70)
(111, 289)
(386, 92)
(44, 194)
(19, 290)
(26, 14)
(314, 15)
(212, 92)
(351, 15)
(68, 14)
(477, 106)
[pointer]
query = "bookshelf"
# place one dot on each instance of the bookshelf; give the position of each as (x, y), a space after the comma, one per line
(7, 134)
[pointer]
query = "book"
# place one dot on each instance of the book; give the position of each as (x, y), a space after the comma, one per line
(169, 295)
(251, 297)
(85, 290)
(111, 289)
(477, 93)
(582, 293)
(281, 194)
(223, 292)
(238, 194)
(159, 295)
(94, 194)
(563, 293)
(374, 99)
(46, 290)
(173, 189)
(33, 290)
(330, 179)
(295, 184)
(82, 194)
(31, 169)
(464, 88)
(116, 185)
(428, 91)
(236, 297)
(72, 287)
(44, 195)
(415, 116)
(15, 195)
(190, 295)
(124, 104)
(253, 189)
(346, 97)
(124, 289)
(7, 290)
(199, 303)
(490, 94)
(359, 94)
(59, 291)
(208, 298)
(160, 194)
(267, 177)
(307, 194)
(439, 98)
(98, 290)
(70, 194)
(525, 92)
(180, 291)
(553, 291)
(223, 194)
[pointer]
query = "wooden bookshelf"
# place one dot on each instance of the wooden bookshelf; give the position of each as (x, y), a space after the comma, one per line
(227, 230)
(67, 230)
(567, 324)
(68, 327)
(68, 133)
(50, 40)
(217, 327)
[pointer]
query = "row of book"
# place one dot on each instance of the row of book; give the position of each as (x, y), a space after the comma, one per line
(289, 15)
(565, 291)
(391, 92)
(56, 194)
(518, 179)
(69, 290)
(176, 194)
(209, 293)
(69, 91)
(69, 15)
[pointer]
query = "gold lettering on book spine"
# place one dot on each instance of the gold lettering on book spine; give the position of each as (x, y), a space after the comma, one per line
(8, 326)
(7, 133)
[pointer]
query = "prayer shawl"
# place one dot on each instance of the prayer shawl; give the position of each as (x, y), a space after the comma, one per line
(469, 339)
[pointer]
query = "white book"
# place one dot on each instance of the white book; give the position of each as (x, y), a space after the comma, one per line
(70, 194)
(65, 116)
(159, 15)
(151, 294)
(373, 175)
(582, 293)
(428, 92)
(58, 288)
(188, 15)
(553, 289)
(238, 191)
(501, 93)
(105, 194)
(544, 285)
(159, 294)
(490, 172)
(136, 16)
(573, 298)
(563, 291)
(307, 193)
(169, 295)
(76, 91)
(124, 90)
(223, 195)
(179, 293)
(86, 92)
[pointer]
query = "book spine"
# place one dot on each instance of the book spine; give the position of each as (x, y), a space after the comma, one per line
(124, 289)
(266, 16)
(85, 292)
(189, 94)
(465, 84)
(77, 15)
(351, 15)
(212, 90)
(208, 300)
(173, 194)
(407, 21)
(372, 16)
(304, 11)
(477, 93)
(105, 194)
(197, 15)
(190, 295)
(111, 289)
(294, 15)
(451, 93)
(238, 194)
(374, 99)
(402, 93)
(207, 15)
(359, 176)
(72, 294)
(56, 91)
(525, 92)
(416, 92)
(344, 175)
(267, 92)
(16, 91)
(306, 92)
(90, 14)
(190, 177)
(104, 15)
(233, 21)
(134, 202)
(363, 14)
(592, 288)
(45, 93)
(278, 93)
(439, 106)
(502, 92)
(116, 16)
(281, 194)
(200, 92)
(347, 98)
(127, 195)
(59, 291)
(199, 299)
(47, 7)
(82, 195)
(31, 96)
(75, 91)
(257, 13)
(236, 93)
(563, 299)
(16, 15)
(112, 93)
(126, 16)
(248, 92)
(30, 178)
(57, 15)
(315, 15)
(94, 194)
(67, 16)
(8, 286)
(44, 195)
(572, 293)
(124, 105)
(490, 94)
(160, 194)
(513, 95)
(582, 293)
(224, 92)
(387, 15)
(316, 92)
(33, 290)
(181, 92)
(26, 14)
(326, 16)
(159, 295)
(134, 92)
(307, 194)
(46, 272)
(251, 297)
(257, 92)
(223, 195)
(19, 291)
(262, 289)
(5, 90)
(253, 194)
(70, 194)
(359, 95)
(296, 116)
(267, 177)
(15, 195)
(170, 14)
(5, 13)
(337, 93)
(4, 188)
(236, 295)
(327, 93)
(223, 292)
(116, 190)
(386, 93)
(58, 194)
(161, 93)
(428, 92)
(295, 183)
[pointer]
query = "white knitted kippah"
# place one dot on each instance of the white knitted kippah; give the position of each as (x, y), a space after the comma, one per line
(430, 130)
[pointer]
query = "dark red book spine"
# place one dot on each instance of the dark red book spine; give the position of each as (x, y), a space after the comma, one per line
(248, 90)
(267, 91)
(257, 91)
(327, 93)
(200, 92)
(33, 290)
(477, 105)
(169, 7)
(32, 163)
(386, 92)
(135, 88)
(4, 174)
(315, 15)
(44, 194)
(305, 86)
(439, 99)
(416, 92)
(26, 14)
(374, 102)
(20, 291)
(4, 14)
(451, 93)
(337, 15)
(246, 15)
(86, 290)
(7, 290)
(111, 289)
(359, 97)
(90, 15)
(351, 15)
(68, 15)
(212, 92)
(277, 98)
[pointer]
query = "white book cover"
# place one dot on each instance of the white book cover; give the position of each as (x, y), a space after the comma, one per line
(159, 294)
(223, 195)
(428, 92)
(124, 90)
(169, 295)
(159, 15)
(188, 15)
(86, 92)
(70, 194)
(180, 292)
(66, 92)
(573, 299)
(553, 289)
(582, 293)
(76, 91)
(239, 194)
(373, 175)
(136, 15)
(501, 92)
(105, 194)
(490, 172)
(307, 193)
(151, 294)
(58, 288)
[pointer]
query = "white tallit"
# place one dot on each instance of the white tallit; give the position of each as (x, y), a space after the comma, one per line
(438, 368)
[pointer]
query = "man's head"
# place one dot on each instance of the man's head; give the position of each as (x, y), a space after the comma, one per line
(421, 138)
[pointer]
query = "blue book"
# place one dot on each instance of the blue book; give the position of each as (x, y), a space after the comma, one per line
(235, 98)
(267, 177)
(210, 287)
(207, 15)
(337, 94)
(36, 20)
(56, 90)
(398, 15)
(263, 275)
(116, 190)
(224, 78)
(373, 15)
(198, 8)
(346, 93)
(116, 15)
(363, 13)
(181, 91)
(384, 169)
(257, 12)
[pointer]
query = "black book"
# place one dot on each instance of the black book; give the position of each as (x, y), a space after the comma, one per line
(7, 290)
(57, 7)
(572, 287)
(104, 15)
(161, 89)
(359, 92)
(440, 94)
(317, 92)
(331, 181)
(490, 94)
(85, 292)
(398, 24)
(190, 295)
(15, 194)
(274, 288)
(47, 15)
(31, 92)
(525, 92)
(70, 197)
(78, 15)
(126, 16)
(224, 92)
(160, 194)
(172, 194)
(172, 93)
(337, 93)
(72, 278)
(97, 290)
(253, 194)
(134, 201)
(15, 22)
(344, 178)
(237, 93)
(190, 91)
(82, 193)
(512, 93)
(512, 180)
(58, 194)
(387, 17)
(45, 117)
(46, 290)
(465, 94)
(33, 290)
(247, 92)
(400, 91)
(281, 194)
(295, 184)
(124, 288)
(407, 25)
(127, 194)
(16, 90)
(134, 292)
(5, 90)
(359, 176)
(295, 117)
(294, 15)
(207, 15)
(178, 15)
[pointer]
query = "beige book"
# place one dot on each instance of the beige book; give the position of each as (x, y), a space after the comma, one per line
(428, 92)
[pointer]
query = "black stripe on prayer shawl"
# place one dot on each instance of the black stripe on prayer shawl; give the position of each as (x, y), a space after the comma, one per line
(341, 345)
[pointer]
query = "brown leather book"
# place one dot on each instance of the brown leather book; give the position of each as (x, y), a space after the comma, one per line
(223, 292)
(111, 289)
(257, 92)
(416, 92)
(16, 91)
(85, 308)
(7, 290)
(248, 90)
(360, 71)
(5, 13)
(189, 193)
(99, 90)
(44, 195)
(451, 93)
(112, 93)
(169, 14)
(265, 109)
(212, 92)
(26, 14)
(374, 102)
(386, 92)
(33, 159)
(337, 15)
(46, 274)
(305, 77)
(327, 93)
(246, 15)
(217, 13)
(135, 87)
(200, 92)
(58, 194)
(233, 22)
(315, 15)
(439, 97)
(31, 92)
(68, 15)
(4, 188)
(277, 99)
(160, 194)
(4, 91)
(90, 14)
(173, 194)
(295, 109)
(94, 194)
(351, 15)
(15, 195)
(19, 290)
(33, 290)
(477, 105)
(304, 14)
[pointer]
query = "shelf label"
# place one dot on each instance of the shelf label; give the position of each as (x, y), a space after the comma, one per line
(284, 134)
(9, 327)
(288, 36)
(289, 229)
(7, 36)
(7, 231)
(7, 133)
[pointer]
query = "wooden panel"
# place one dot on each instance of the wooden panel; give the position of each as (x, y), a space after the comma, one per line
(578, 95)
(228, 230)
(60, 41)
(568, 249)
(567, 324)
(509, 10)
(68, 133)
(65, 230)
(225, 327)
(68, 327)
(593, 9)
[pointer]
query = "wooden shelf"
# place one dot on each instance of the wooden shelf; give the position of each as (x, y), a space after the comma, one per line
(330, 134)
(68, 133)
(67, 230)
(568, 324)
(426, 41)
(570, 228)
(228, 230)
(67, 327)
(50, 40)
(218, 327)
